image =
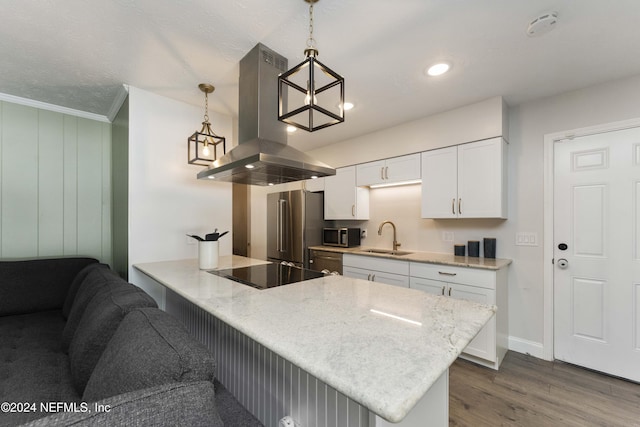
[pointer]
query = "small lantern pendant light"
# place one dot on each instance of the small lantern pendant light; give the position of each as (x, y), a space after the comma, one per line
(202, 146)
(312, 100)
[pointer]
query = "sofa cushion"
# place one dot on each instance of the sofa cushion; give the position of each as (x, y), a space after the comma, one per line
(98, 324)
(97, 280)
(32, 366)
(149, 348)
(231, 411)
(175, 404)
(38, 284)
(75, 285)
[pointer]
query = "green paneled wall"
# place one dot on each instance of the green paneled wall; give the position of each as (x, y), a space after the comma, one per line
(55, 184)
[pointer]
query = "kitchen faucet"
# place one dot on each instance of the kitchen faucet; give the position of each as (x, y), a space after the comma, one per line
(395, 241)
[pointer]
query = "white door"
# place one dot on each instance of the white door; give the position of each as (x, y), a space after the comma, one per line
(480, 179)
(403, 168)
(440, 183)
(370, 173)
(339, 194)
(597, 274)
(484, 344)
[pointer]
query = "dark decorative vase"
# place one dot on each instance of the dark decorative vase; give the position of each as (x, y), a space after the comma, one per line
(489, 247)
(474, 248)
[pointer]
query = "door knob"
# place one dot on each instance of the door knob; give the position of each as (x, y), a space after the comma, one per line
(563, 263)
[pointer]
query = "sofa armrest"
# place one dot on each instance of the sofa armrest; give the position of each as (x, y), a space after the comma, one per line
(29, 286)
(185, 403)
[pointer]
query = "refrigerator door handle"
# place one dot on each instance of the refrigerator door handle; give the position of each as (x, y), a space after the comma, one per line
(280, 226)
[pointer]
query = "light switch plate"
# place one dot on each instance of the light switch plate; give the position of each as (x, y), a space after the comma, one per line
(526, 238)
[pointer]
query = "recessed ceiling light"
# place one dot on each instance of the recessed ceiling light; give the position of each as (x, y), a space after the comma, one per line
(291, 129)
(438, 69)
(270, 184)
(211, 177)
(347, 106)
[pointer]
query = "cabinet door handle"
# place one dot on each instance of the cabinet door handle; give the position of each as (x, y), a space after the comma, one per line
(382, 173)
(353, 210)
(449, 291)
(386, 172)
(373, 277)
(443, 290)
(453, 206)
(460, 206)
(369, 276)
(444, 273)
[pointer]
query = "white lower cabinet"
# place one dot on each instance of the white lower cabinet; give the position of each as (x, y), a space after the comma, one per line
(489, 347)
(376, 269)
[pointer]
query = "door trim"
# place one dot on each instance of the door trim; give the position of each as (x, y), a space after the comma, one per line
(549, 141)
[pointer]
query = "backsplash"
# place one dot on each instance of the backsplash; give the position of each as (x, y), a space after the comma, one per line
(402, 206)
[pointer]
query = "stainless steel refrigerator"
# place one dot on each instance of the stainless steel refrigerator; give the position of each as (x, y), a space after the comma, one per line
(294, 222)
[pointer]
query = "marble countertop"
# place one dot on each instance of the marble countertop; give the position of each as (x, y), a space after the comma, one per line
(340, 329)
(426, 257)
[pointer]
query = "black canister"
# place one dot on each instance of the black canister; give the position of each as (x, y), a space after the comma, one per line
(474, 248)
(459, 250)
(489, 247)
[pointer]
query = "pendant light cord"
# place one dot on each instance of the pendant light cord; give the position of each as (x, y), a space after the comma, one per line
(206, 107)
(311, 41)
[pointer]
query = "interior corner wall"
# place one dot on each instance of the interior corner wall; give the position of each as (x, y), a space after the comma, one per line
(55, 184)
(165, 199)
(120, 190)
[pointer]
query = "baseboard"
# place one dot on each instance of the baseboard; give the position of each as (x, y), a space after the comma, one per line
(521, 345)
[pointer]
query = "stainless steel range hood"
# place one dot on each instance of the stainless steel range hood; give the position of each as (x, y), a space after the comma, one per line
(262, 156)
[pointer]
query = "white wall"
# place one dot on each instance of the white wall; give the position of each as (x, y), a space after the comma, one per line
(166, 201)
(527, 124)
(55, 183)
(605, 103)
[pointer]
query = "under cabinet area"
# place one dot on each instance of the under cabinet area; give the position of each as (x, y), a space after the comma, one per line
(389, 171)
(373, 269)
(465, 181)
(489, 287)
(342, 198)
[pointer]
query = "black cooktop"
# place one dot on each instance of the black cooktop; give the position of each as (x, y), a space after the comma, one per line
(267, 275)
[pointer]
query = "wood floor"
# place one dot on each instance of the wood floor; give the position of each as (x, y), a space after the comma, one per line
(527, 391)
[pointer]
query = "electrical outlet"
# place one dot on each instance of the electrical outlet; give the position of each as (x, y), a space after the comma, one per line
(364, 234)
(447, 236)
(526, 239)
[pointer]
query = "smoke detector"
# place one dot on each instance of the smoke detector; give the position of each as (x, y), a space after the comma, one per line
(542, 24)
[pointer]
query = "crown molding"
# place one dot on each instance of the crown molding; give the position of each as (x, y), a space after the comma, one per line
(123, 91)
(51, 107)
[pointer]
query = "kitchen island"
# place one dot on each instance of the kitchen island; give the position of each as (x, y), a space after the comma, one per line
(386, 349)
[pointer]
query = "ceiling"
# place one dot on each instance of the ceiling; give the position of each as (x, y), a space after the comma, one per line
(78, 53)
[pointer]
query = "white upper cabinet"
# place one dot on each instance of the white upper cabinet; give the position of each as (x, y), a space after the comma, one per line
(389, 171)
(342, 198)
(314, 185)
(465, 181)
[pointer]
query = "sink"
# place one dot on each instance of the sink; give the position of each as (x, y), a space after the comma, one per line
(386, 252)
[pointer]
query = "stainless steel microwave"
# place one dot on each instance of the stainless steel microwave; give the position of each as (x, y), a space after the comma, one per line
(343, 237)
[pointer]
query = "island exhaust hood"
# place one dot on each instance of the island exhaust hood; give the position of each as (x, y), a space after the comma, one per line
(262, 156)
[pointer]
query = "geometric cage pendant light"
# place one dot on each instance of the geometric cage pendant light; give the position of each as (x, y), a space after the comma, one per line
(202, 146)
(311, 95)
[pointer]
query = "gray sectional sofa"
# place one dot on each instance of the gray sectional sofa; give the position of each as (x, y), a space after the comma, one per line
(80, 346)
